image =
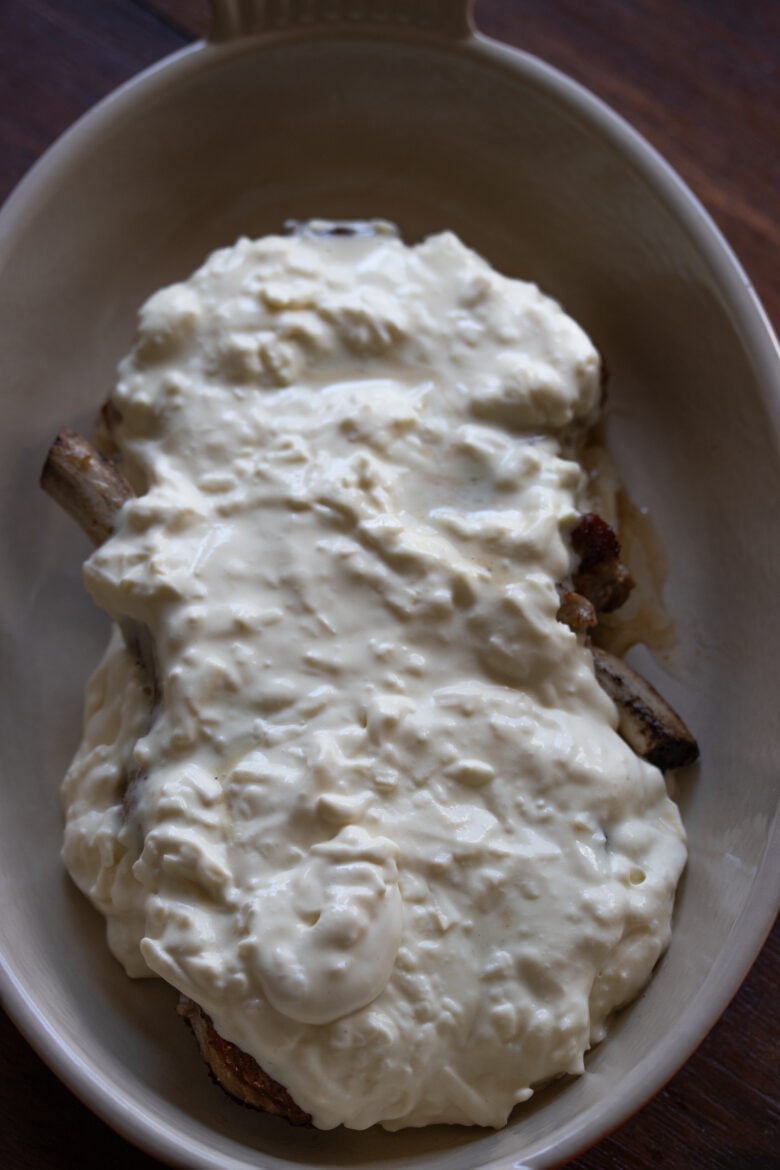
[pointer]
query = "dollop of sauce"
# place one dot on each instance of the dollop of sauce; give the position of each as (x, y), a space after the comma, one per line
(381, 827)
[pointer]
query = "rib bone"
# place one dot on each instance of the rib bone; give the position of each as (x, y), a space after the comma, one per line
(85, 483)
(646, 721)
(92, 491)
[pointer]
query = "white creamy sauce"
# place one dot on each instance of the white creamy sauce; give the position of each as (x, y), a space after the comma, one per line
(382, 828)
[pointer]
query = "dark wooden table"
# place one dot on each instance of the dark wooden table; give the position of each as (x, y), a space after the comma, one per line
(700, 78)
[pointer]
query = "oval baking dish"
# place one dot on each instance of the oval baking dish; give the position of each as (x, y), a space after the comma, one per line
(357, 109)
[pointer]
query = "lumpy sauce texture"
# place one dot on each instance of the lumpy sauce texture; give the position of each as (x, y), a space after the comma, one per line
(381, 826)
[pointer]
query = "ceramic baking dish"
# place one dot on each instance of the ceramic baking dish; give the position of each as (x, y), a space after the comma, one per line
(395, 109)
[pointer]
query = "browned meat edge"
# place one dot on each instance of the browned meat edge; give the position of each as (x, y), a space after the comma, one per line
(601, 576)
(577, 612)
(602, 583)
(238, 1073)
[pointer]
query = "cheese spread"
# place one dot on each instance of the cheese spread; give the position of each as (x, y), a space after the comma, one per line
(380, 826)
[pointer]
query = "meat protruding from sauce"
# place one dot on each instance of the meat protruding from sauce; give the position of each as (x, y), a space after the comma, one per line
(647, 722)
(85, 483)
(577, 612)
(601, 575)
(237, 1072)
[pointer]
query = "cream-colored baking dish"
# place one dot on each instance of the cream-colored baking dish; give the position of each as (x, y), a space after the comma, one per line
(353, 108)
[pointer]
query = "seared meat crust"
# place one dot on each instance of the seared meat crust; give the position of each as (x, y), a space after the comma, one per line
(238, 1073)
(601, 576)
(577, 612)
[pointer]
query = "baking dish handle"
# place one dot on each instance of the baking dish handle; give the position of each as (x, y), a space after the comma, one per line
(232, 19)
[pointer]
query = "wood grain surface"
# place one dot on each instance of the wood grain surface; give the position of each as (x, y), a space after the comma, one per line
(700, 78)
